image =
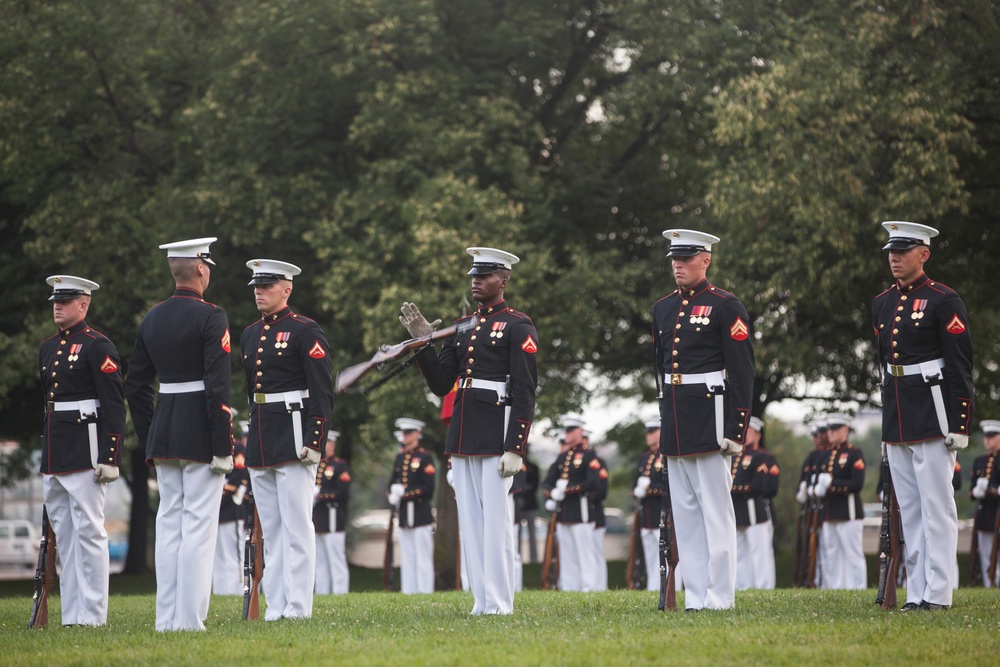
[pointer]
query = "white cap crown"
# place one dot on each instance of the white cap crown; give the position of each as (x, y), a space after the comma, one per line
(267, 271)
(66, 288)
(570, 421)
(990, 426)
(409, 424)
(906, 235)
(192, 248)
(489, 260)
(688, 242)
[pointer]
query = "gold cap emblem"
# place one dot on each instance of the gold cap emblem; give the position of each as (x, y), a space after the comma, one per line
(893, 227)
(675, 235)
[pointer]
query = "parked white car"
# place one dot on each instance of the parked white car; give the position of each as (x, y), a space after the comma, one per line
(18, 543)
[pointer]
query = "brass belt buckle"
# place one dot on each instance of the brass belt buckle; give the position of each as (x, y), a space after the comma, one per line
(50, 406)
(896, 371)
(676, 378)
(260, 398)
(467, 383)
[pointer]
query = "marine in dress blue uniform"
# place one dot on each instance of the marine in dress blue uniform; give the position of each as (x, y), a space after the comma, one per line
(647, 489)
(597, 498)
(81, 381)
(227, 574)
(494, 360)
(924, 350)
(703, 362)
(289, 384)
(753, 481)
(567, 487)
(333, 492)
(411, 490)
(838, 485)
(984, 480)
(184, 343)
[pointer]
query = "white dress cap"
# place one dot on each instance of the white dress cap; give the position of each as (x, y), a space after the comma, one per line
(267, 271)
(332, 435)
(837, 419)
(489, 260)
(193, 248)
(990, 426)
(409, 424)
(906, 235)
(571, 421)
(688, 242)
(652, 423)
(757, 424)
(67, 288)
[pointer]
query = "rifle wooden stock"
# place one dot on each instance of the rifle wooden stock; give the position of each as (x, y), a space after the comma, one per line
(388, 571)
(45, 574)
(253, 562)
(992, 572)
(634, 565)
(550, 561)
(668, 549)
(352, 374)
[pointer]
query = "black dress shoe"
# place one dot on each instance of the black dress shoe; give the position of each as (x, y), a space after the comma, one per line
(911, 606)
(692, 609)
(930, 606)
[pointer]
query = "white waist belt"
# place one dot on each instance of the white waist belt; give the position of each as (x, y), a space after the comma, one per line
(711, 380)
(87, 407)
(287, 397)
(182, 387)
(929, 369)
(474, 383)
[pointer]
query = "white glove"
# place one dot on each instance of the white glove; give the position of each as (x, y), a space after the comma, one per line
(730, 447)
(394, 499)
(105, 474)
(415, 323)
(309, 456)
(979, 490)
(241, 491)
(450, 476)
(561, 484)
(221, 465)
(823, 484)
(550, 505)
(397, 490)
(510, 464)
(639, 492)
(642, 482)
(802, 495)
(558, 494)
(956, 441)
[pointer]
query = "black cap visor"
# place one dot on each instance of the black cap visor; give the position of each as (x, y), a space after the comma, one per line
(66, 295)
(902, 243)
(484, 269)
(686, 250)
(266, 279)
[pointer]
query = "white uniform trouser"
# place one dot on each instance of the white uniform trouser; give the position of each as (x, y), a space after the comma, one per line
(761, 539)
(651, 555)
(705, 525)
(332, 574)
(577, 569)
(844, 566)
(227, 575)
(486, 526)
(518, 564)
(745, 573)
(921, 476)
(284, 499)
(600, 562)
(187, 525)
(416, 559)
(985, 538)
(75, 504)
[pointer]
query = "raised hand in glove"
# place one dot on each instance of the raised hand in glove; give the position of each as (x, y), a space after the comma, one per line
(550, 505)
(394, 500)
(221, 465)
(397, 490)
(730, 447)
(979, 490)
(643, 482)
(823, 483)
(509, 465)
(105, 474)
(309, 456)
(640, 491)
(956, 441)
(415, 323)
(450, 477)
(558, 494)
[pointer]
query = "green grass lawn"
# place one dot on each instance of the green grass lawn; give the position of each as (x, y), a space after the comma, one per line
(618, 627)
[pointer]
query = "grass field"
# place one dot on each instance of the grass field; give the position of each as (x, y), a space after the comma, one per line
(618, 627)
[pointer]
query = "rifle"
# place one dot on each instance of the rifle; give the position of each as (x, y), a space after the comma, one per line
(891, 547)
(388, 571)
(550, 561)
(668, 549)
(45, 575)
(993, 551)
(352, 374)
(253, 562)
(635, 566)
